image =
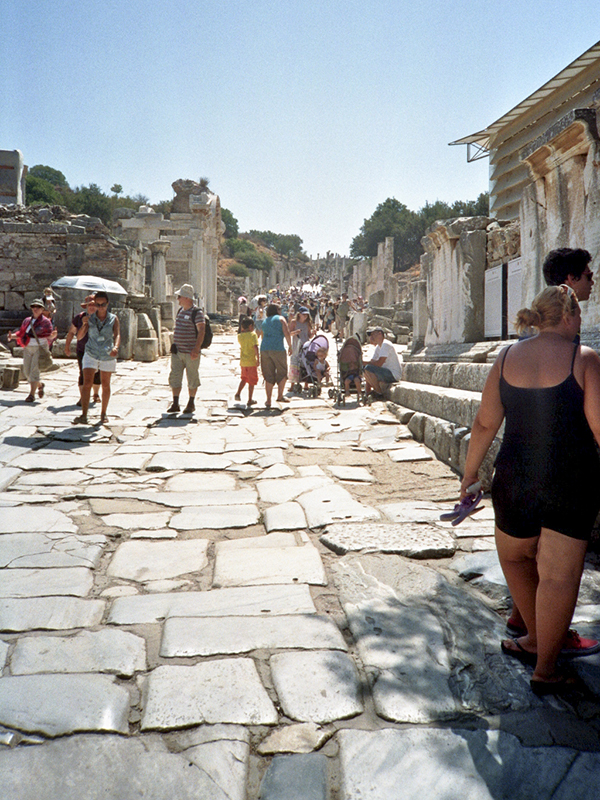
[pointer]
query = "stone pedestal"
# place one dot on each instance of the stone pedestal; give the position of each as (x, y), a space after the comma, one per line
(128, 326)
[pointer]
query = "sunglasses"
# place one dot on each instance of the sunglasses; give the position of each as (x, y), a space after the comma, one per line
(101, 305)
(588, 275)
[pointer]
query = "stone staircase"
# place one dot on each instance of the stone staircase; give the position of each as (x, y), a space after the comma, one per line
(440, 399)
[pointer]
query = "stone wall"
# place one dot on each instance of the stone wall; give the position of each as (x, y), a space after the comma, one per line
(453, 267)
(32, 255)
(560, 206)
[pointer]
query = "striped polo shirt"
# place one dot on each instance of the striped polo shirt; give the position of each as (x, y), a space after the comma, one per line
(186, 332)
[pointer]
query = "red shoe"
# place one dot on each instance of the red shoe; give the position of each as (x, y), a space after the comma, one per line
(575, 645)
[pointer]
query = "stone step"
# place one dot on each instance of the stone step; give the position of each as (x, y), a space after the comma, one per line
(459, 406)
(452, 375)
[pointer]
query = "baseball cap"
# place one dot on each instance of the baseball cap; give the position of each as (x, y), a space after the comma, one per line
(377, 329)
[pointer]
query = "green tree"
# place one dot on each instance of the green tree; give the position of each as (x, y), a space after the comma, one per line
(164, 207)
(390, 218)
(288, 245)
(92, 201)
(231, 224)
(53, 176)
(39, 191)
(116, 188)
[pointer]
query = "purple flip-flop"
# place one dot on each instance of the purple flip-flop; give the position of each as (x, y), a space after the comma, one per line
(466, 506)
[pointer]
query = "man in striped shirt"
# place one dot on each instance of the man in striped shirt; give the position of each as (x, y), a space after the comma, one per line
(185, 351)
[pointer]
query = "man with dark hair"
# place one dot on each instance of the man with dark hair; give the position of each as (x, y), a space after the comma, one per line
(571, 267)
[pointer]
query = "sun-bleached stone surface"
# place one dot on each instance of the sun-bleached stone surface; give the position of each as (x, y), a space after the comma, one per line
(191, 636)
(247, 600)
(21, 519)
(319, 686)
(76, 581)
(112, 766)
(281, 490)
(207, 481)
(285, 517)
(49, 613)
(133, 521)
(207, 497)
(265, 565)
(360, 474)
(407, 539)
(60, 704)
(333, 504)
(88, 651)
(215, 517)
(50, 550)
(302, 737)
(224, 690)
(404, 454)
(146, 561)
(187, 461)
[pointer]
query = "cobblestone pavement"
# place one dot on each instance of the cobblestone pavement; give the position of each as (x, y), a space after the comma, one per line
(242, 605)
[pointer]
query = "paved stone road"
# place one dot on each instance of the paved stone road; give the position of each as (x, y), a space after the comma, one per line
(266, 605)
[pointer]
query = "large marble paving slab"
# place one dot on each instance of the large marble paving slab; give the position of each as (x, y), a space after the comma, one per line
(413, 511)
(116, 768)
(21, 519)
(224, 690)
(61, 704)
(284, 517)
(238, 601)
(208, 497)
(411, 540)
(406, 454)
(194, 636)
(49, 613)
(135, 461)
(267, 565)
(281, 490)
(147, 561)
(50, 550)
(109, 650)
(187, 461)
(215, 517)
(333, 504)
(129, 522)
(317, 686)
(467, 764)
(200, 482)
(360, 474)
(76, 581)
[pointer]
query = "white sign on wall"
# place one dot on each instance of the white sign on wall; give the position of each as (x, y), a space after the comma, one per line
(514, 293)
(493, 303)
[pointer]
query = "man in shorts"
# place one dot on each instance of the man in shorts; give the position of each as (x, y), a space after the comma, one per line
(185, 351)
(385, 366)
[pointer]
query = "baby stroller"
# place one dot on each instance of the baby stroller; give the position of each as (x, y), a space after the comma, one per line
(308, 363)
(350, 364)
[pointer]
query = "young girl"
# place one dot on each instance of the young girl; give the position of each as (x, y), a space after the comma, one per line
(248, 341)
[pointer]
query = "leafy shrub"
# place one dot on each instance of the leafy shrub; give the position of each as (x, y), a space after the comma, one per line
(239, 270)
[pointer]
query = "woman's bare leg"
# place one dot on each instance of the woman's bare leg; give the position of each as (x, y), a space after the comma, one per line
(560, 564)
(518, 561)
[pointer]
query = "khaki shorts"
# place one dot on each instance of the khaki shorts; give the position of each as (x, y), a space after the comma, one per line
(179, 363)
(273, 364)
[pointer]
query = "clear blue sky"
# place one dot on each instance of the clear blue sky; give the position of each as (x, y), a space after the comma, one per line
(304, 114)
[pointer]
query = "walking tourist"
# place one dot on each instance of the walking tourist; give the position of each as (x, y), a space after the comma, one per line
(273, 359)
(101, 350)
(34, 335)
(342, 315)
(89, 306)
(248, 341)
(570, 267)
(185, 350)
(384, 366)
(544, 490)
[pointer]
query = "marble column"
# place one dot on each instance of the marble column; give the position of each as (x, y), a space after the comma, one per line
(159, 269)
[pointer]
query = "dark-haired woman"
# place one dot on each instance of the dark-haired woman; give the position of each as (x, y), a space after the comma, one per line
(545, 486)
(273, 359)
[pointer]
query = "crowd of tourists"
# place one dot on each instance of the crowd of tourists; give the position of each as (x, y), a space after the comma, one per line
(545, 388)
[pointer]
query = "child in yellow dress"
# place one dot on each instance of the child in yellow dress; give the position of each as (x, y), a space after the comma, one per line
(249, 358)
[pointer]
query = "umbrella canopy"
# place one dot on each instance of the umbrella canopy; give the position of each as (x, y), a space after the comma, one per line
(89, 283)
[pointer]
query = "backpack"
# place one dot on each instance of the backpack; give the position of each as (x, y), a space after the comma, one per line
(208, 334)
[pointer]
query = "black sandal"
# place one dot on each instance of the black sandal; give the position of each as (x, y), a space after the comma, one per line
(565, 683)
(522, 655)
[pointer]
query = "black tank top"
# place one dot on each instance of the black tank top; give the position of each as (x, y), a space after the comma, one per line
(547, 439)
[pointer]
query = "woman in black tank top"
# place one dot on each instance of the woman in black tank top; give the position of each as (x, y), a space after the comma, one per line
(545, 486)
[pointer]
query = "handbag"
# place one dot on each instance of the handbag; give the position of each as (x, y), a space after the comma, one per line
(45, 361)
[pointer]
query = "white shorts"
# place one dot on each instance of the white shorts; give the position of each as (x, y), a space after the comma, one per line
(88, 362)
